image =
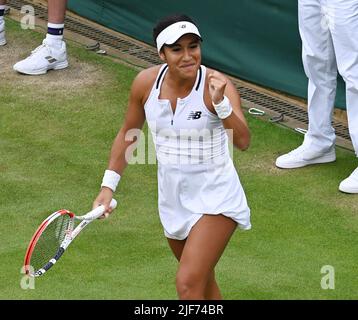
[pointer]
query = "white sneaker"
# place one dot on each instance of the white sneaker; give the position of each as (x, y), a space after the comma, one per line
(350, 184)
(302, 156)
(43, 58)
(2, 33)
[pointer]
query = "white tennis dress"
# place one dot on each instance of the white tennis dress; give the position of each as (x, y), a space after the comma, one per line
(196, 174)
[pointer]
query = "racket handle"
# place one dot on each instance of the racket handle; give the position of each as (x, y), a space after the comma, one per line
(96, 213)
(113, 204)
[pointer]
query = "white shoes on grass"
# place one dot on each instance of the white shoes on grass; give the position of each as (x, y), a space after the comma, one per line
(350, 184)
(43, 58)
(302, 156)
(2, 33)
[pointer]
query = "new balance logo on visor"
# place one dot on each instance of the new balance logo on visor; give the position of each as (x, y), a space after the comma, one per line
(194, 115)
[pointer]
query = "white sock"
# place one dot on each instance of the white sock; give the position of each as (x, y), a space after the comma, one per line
(54, 34)
(54, 41)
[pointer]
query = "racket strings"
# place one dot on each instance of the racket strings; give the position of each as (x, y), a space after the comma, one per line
(50, 240)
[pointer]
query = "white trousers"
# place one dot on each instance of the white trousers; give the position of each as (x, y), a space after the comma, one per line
(329, 33)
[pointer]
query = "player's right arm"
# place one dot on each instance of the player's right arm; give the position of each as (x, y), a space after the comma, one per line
(133, 122)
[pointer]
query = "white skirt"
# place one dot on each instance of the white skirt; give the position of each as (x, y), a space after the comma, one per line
(187, 192)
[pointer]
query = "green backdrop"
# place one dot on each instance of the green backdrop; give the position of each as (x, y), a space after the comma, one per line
(255, 40)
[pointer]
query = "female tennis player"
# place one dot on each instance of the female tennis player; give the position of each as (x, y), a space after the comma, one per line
(193, 112)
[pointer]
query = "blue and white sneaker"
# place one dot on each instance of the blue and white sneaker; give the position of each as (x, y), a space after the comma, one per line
(2, 33)
(42, 59)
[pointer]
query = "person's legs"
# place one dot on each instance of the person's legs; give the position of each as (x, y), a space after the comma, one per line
(201, 252)
(2, 23)
(344, 29)
(320, 67)
(56, 11)
(212, 291)
(52, 54)
(56, 20)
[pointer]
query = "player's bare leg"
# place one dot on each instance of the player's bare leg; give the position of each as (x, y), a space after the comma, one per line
(199, 254)
(212, 291)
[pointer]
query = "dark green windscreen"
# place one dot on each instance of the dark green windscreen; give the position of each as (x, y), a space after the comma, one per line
(254, 40)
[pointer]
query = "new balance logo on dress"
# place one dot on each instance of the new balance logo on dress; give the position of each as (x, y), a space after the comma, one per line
(194, 115)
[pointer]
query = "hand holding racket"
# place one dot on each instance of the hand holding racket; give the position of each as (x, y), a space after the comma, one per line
(104, 197)
(54, 235)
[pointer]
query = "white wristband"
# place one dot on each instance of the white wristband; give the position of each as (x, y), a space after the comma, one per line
(224, 108)
(110, 180)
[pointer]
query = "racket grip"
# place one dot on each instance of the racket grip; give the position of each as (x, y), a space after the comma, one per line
(96, 213)
(113, 204)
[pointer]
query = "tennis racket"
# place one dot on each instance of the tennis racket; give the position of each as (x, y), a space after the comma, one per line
(53, 237)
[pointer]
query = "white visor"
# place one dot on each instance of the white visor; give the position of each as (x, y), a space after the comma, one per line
(172, 33)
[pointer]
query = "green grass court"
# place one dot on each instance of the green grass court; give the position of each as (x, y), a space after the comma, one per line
(55, 136)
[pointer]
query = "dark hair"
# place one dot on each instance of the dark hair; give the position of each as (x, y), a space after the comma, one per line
(167, 21)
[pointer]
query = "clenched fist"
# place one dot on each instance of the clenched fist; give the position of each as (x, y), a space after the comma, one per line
(217, 85)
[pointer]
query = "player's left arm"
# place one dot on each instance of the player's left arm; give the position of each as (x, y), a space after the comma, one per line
(220, 86)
